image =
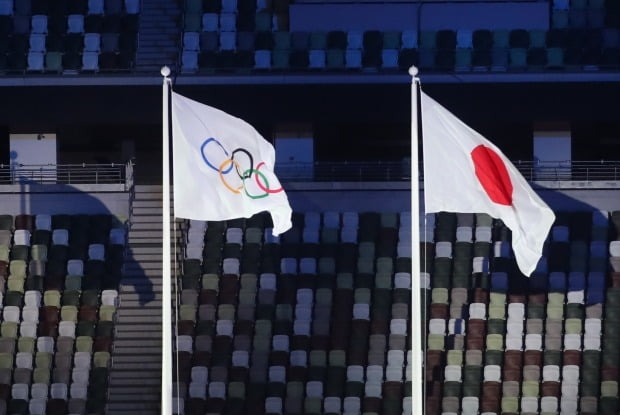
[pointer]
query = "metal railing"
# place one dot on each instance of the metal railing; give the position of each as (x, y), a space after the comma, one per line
(112, 173)
(400, 171)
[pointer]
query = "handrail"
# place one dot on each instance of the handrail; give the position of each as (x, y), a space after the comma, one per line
(400, 171)
(112, 173)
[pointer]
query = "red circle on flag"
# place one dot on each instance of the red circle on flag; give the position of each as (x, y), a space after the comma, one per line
(492, 175)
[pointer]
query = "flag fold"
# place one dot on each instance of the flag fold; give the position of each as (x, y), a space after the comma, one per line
(222, 167)
(464, 172)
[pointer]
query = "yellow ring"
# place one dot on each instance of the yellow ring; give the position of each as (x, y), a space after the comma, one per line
(224, 165)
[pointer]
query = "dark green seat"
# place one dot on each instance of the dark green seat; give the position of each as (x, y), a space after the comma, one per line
(552, 357)
(452, 388)
(493, 357)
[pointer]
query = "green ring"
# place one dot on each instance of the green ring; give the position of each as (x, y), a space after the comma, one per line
(263, 177)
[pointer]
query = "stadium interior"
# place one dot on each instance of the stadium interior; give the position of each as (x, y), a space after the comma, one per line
(318, 320)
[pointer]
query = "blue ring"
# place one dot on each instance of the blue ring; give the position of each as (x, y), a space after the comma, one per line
(202, 147)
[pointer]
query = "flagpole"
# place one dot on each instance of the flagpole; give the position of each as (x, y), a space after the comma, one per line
(166, 307)
(416, 325)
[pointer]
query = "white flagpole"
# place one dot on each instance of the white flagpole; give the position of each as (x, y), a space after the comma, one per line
(166, 307)
(416, 326)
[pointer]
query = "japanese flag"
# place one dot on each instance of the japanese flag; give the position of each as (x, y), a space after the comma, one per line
(464, 172)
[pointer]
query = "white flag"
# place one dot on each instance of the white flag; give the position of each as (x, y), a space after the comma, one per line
(464, 172)
(222, 167)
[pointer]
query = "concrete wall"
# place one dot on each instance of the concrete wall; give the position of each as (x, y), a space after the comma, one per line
(423, 16)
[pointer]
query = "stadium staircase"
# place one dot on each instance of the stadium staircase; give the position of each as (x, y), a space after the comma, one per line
(158, 39)
(135, 378)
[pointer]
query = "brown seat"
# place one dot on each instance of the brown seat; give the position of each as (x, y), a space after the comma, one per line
(296, 374)
(433, 405)
(434, 388)
(47, 329)
(87, 313)
(473, 342)
(393, 390)
(4, 268)
(609, 373)
(538, 298)
(56, 406)
(513, 359)
(208, 297)
(572, 357)
(615, 279)
(195, 406)
(550, 389)
(382, 326)
(439, 311)
(102, 344)
(49, 314)
(371, 404)
(278, 358)
(512, 374)
(185, 328)
(481, 296)
(517, 298)
(24, 222)
(201, 358)
(476, 327)
(54, 282)
(244, 327)
(238, 374)
(532, 357)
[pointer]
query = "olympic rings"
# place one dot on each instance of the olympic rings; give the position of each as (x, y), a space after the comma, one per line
(226, 166)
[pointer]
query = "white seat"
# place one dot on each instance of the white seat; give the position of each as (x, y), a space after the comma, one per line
(551, 373)
(374, 373)
(560, 4)
(37, 406)
(301, 328)
(352, 58)
(95, 6)
(92, 42)
(469, 405)
(593, 326)
(66, 328)
(224, 328)
(568, 404)
(351, 405)
(492, 373)
(396, 358)
(30, 313)
(533, 341)
(389, 58)
(501, 249)
(230, 266)
(267, 281)
(548, 404)
(403, 249)
(96, 251)
(132, 6)
(6, 7)
(570, 372)
(273, 405)
(39, 391)
(456, 326)
(452, 373)
(185, 343)
(37, 44)
(560, 233)
(11, 313)
(75, 23)
(298, 358)
(477, 311)
(28, 329)
(189, 61)
(32, 298)
(21, 237)
(234, 236)
(217, 390)
(307, 265)
(45, 344)
(38, 23)
(569, 387)
(464, 234)
(572, 342)
(355, 39)
(19, 391)
(514, 342)
(117, 236)
(82, 360)
(591, 341)
(240, 358)
(23, 360)
(483, 234)
(197, 390)
(355, 373)
(178, 405)
(277, 374)
(35, 61)
(210, 22)
(288, 266)
(314, 389)
(191, 41)
(200, 375)
(348, 235)
(269, 237)
(516, 311)
(514, 327)
(75, 267)
(464, 38)
(109, 297)
(614, 248)
(280, 342)
(332, 404)
(575, 297)
(393, 374)
(60, 237)
(372, 389)
(311, 235)
(361, 311)
(78, 391)
(480, 265)
(443, 249)
(598, 249)
(529, 404)
(437, 326)
(398, 326)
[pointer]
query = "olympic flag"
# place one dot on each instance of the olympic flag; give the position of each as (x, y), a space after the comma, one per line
(464, 172)
(223, 168)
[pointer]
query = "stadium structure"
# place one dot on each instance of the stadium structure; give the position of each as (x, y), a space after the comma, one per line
(317, 321)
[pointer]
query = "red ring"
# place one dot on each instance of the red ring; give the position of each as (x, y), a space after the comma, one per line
(263, 188)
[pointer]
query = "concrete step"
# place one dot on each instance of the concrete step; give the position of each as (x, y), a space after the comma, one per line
(142, 358)
(137, 319)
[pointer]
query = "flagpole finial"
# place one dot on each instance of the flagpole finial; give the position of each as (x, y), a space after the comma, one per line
(165, 71)
(413, 71)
